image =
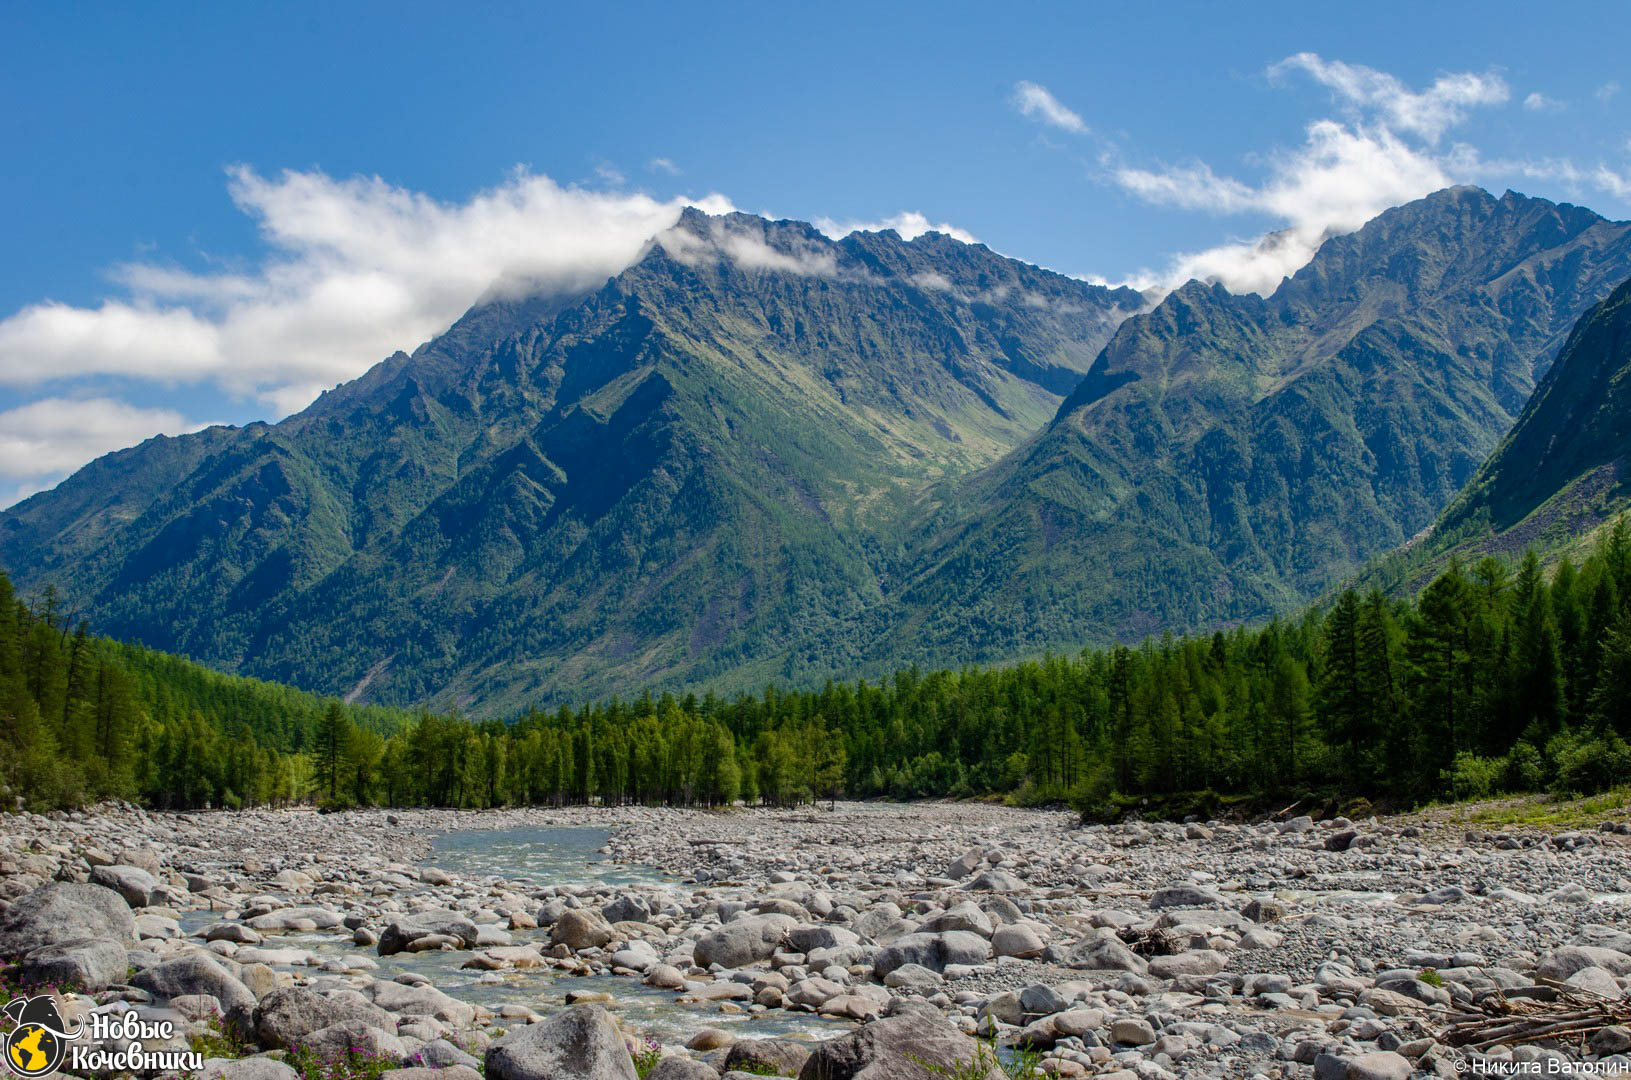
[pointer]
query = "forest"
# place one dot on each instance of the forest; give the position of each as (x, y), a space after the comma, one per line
(1497, 677)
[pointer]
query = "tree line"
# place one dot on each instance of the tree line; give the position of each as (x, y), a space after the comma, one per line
(1495, 678)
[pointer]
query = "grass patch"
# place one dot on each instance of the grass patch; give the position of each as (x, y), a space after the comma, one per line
(1553, 812)
(217, 1040)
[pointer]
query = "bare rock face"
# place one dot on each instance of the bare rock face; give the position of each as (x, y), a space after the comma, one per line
(64, 911)
(579, 1043)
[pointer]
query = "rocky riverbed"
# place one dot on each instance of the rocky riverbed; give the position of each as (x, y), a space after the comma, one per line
(867, 940)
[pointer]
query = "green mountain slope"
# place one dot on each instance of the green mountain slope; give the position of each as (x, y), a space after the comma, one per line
(1560, 474)
(679, 474)
(1231, 456)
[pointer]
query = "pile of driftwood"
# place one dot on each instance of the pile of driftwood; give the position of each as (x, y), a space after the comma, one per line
(1568, 1016)
(1156, 941)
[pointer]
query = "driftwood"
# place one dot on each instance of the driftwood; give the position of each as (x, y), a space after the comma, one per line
(1572, 1015)
(1155, 942)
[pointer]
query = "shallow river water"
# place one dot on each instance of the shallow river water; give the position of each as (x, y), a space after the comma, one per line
(548, 856)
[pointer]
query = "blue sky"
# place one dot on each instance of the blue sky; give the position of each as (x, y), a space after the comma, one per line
(211, 212)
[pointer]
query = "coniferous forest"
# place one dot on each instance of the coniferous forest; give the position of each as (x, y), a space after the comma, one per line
(1495, 678)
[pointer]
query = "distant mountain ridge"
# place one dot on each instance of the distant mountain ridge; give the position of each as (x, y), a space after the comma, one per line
(759, 454)
(1230, 456)
(673, 475)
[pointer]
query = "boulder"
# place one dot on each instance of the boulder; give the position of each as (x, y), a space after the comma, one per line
(785, 1056)
(135, 885)
(964, 916)
(287, 1015)
(916, 1044)
(1381, 1065)
(251, 1068)
(87, 964)
(194, 973)
(743, 941)
(997, 881)
(1559, 964)
(680, 1067)
(1017, 940)
(424, 1072)
(449, 926)
(932, 951)
(64, 911)
(578, 1043)
(580, 930)
(1195, 962)
(336, 1041)
(626, 907)
(421, 1001)
(298, 919)
(1185, 896)
(1105, 952)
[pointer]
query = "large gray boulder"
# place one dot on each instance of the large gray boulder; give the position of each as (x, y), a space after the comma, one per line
(88, 964)
(64, 911)
(626, 907)
(680, 1067)
(421, 1001)
(1105, 952)
(785, 1056)
(194, 973)
(744, 941)
(932, 951)
(251, 1068)
(403, 932)
(579, 1043)
(577, 929)
(287, 1015)
(1185, 896)
(137, 886)
(336, 1041)
(917, 1044)
(1559, 964)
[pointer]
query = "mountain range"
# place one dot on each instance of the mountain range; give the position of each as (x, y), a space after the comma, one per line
(759, 454)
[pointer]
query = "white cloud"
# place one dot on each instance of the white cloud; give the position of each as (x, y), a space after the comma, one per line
(1576, 178)
(663, 165)
(1034, 100)
(909, 224)
(43, 441)
(1539, 102)
(1380, 153)
(356, 269)
(1340, 178)
(1606, 91)
(1427, 113)
(609, 174)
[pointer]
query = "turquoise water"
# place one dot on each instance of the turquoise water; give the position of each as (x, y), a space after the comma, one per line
(541, 856)
(544, 856)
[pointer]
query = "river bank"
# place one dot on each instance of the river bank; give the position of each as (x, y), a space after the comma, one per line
(437, 938)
